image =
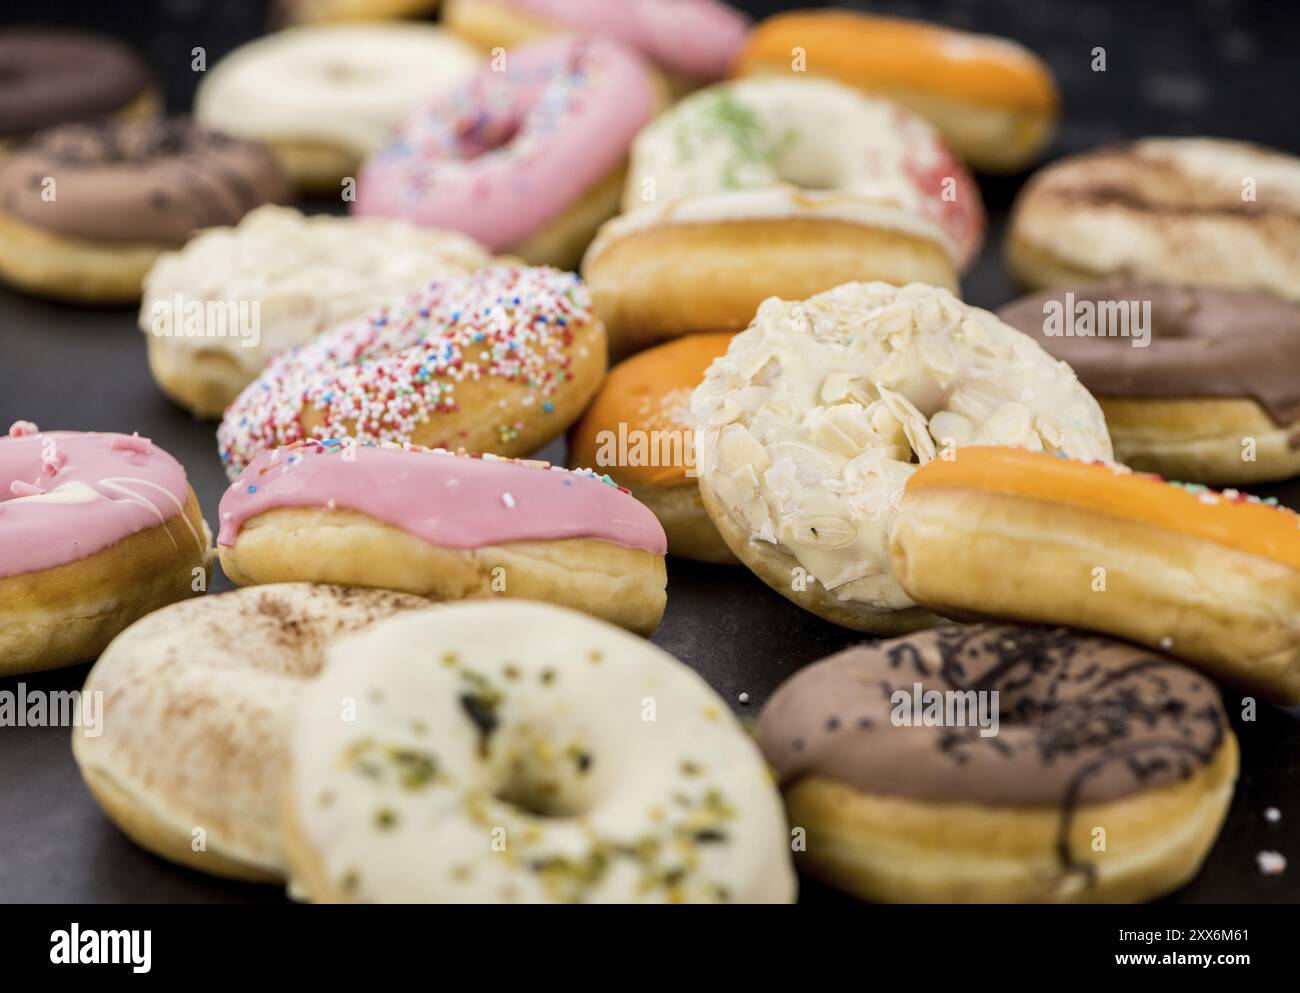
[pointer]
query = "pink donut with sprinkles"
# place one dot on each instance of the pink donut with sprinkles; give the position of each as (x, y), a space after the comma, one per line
(444, 525)
(692, 41)
(527, 157)
(499, 361)
(96, 530)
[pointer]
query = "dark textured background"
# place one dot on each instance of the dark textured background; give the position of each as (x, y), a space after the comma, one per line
(1173, 67)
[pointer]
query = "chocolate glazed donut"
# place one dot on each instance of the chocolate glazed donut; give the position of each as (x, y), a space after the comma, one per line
(90, 206)
(53, 77)
(915, 782)
(1197, 384)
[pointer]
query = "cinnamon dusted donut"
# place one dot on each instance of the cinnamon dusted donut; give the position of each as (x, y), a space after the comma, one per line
(96, 530)
(518, 752)
(86, 209)
(776, 187)
(638, 430)
(1001, 764)
(502, 360)
(1197, 384)
(1212, 578)
(217, 310)
(444, 526)
(55, 77)
(528, 156)
(691, 41)
(189, 759)
(1195, 211)
(807, 430)
(324, 96)
(993, 100)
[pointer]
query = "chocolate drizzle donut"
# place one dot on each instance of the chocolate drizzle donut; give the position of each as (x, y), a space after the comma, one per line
(1077, 722)
(1184, 374)
(153, 182)
(52, 77)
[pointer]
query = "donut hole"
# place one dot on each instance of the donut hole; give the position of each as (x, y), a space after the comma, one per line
(486, 135)
(542, 774)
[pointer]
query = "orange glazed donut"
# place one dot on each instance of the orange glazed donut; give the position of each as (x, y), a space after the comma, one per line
(993, 100)
(1211, 577)
(637, 431)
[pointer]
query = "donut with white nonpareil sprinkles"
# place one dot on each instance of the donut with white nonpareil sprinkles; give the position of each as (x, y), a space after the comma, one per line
(446, 526)
(96, 529)
(501, 361)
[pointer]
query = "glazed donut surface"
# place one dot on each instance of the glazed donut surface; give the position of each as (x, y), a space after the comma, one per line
(199, 701)
(518, 752)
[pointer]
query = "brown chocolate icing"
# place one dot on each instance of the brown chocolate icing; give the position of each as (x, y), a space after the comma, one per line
(152, 182)
(1082, 719)
(1205, 344)
(53, 77)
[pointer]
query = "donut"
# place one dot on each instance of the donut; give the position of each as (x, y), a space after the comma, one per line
(444, 526)
(502, 360)
(1196, 384)
(574, 764)
(324, 96)
(1206, 576)
(808, 428)
(1193, 211)
(994, 101)
(989, 764)
(96, 530)
(692, 42)
(528, 156)
(190, 753)
(322, 11)
(215, 311)
(85, 209)
(638, 431)
(782, 187)
(56, 77)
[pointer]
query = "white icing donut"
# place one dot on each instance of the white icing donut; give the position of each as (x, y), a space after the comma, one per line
(197, 705)
(828, 150)
(338, 84)
(807, 429)
(277, 280)
(502, 752)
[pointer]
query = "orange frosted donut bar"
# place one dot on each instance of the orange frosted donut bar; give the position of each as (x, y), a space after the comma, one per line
(1208, 576)
(993, 100)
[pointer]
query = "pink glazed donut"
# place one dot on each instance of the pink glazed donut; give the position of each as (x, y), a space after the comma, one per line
(444, 525)
(691, 41)
(96, 530)
(527, 157)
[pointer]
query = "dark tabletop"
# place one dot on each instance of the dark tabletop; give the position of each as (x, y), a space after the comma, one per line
(1221, 68)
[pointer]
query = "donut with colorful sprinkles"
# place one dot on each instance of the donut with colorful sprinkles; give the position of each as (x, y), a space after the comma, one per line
(501, 361)
(1212, 577)
(445, 525)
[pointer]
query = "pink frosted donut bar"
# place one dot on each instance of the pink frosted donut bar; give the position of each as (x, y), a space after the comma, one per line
(696, 38)
(452, 500)
(502, 360)
(65, 495)
(508, 153)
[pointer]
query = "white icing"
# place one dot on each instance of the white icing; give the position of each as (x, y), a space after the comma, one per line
(305, 274)
(809, 426)
(75, 492)
(625, 747)
(341, 84)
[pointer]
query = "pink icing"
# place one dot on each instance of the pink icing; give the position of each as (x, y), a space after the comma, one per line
(450, 500)
(111, 493)
(505, 154)
(698, 38)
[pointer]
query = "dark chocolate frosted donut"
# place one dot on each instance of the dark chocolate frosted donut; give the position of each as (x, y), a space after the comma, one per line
(1080, 719)
(1204, 343)
(50, 77)
(153, 182)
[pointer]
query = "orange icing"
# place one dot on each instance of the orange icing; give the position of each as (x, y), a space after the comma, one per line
(872, 52)
(648, 392)
(1226, 518)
